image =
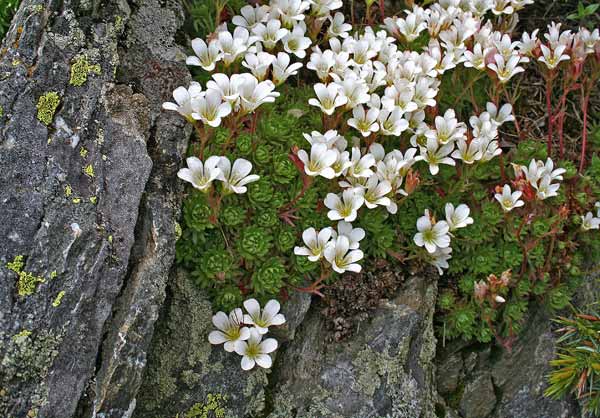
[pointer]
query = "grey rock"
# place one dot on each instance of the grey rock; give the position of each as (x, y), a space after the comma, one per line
(521, 375)
(383, 370)
(184, 369)
(70, 194)
(478, 399)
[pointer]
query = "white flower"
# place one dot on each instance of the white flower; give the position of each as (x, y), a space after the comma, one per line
(321, 63)
(439, 259)
(315, 243)
(253, 94)
(210, 108)
(476, 59)
(230, 329)
(431, 235)
(597, 206)
(354, 89)
(364, 122)
(234, 45)
(553, 57)
(411, 27)
(457, 217)
(546, 189)
(183, 100)
(320, 161)
(270, 34)
(295, 42)
(376, 192)
(228, 87)
(322, 8)
(392, 123)
(590, 222)
(282, 69)
(329, 138)
(337, 26)
(340, 256)
(328, 98)
(235, 179)
(345, 208)
(434, 155)
(447, 128)
(291, 11)
(360, 166)
(200, 175)
(468, 153)
(262, 320)
(206, 55)
(251, 16)
(501, 116)
(509, 200)
(258, 64)
(505, 70)
(354, 235)
(255, 352)
(528, 43)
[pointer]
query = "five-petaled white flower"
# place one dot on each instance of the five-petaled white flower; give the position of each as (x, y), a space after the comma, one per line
(200, 175)
(230, 329)
(320, 161)
(235, 179)
(346, 207)
(434, 155)
(210, 108)
(328, 98)
(255, 351)
(315, 243)
(509, 200)
(589, 221)
(457, 217)
(354, 235)
(184, 100)
(263, 319)
(207, 56)
(364, 122)
(341, 257)
(431, 235)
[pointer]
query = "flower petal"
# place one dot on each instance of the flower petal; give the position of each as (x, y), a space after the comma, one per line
(247, 363)
(268, 346)
(264, 361)
(217, 337)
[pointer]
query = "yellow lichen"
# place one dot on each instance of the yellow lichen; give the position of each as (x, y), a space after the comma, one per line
(89, 170)
(83, 152)
(46, 107)
(68, 190)
(214, 406)
(77, 200)
(23, 334)
(81, 69)
(58, 299)
(93, 200)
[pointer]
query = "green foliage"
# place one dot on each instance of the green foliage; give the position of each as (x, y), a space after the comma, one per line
(7, 10)
(576, 370)
(584, 11)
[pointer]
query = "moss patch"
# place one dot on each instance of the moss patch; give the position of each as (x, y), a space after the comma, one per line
(46, 107)
(81, 69)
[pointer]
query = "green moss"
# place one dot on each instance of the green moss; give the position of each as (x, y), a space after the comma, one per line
(46, 107)
(58, 299)
(81, 69)
(213, 407)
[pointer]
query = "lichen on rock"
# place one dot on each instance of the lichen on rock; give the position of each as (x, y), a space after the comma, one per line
(46, 107)
(81, 69)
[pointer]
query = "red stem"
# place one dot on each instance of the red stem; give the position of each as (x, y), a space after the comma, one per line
(586, 102)
(549, 111)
